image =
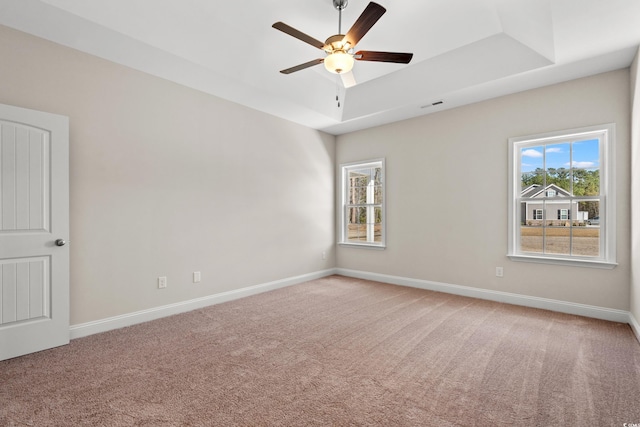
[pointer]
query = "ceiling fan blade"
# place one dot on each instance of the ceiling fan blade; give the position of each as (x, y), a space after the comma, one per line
(369, 55)
(302, 66)
(363, 24)
(348, 79)
(298, 34)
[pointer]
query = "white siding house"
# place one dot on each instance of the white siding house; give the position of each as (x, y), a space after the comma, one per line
(549, 204)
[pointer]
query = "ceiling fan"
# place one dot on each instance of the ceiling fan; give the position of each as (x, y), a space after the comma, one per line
(339, 47)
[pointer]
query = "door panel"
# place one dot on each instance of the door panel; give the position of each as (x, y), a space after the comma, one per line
(25, 290)
(24, 181)
(34, 213)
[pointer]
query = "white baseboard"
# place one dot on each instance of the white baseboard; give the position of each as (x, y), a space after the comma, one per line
(506, 297)
(116, 322)
(635, 326)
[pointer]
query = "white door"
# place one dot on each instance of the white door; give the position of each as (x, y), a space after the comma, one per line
(34, 214)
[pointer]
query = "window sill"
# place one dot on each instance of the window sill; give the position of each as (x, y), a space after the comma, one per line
(563, 261)
(363, 246)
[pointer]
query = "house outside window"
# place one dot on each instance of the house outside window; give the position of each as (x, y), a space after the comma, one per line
(562, 198)
(363, 208)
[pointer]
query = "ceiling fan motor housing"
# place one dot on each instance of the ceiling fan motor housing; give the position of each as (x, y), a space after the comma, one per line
(335, 43)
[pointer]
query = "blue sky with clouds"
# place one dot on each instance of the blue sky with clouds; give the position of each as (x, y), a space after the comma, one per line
(579, 154)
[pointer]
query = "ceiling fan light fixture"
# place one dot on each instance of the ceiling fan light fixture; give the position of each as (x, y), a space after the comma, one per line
(339, 47)
(339, 62)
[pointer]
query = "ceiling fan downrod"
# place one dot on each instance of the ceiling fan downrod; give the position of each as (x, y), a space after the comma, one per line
(340, 4)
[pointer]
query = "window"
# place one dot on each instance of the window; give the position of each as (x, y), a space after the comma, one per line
(574, 221)
(363, 212)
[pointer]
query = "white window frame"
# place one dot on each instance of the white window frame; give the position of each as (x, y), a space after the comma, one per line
(551, 193)
(535, 214)
(606, 135)
(344, 171)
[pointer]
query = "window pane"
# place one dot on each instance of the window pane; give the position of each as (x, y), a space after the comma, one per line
(586, 236)
(364, 224)
(356, 224)
(590, 211)
(377, 175)
(532, 166)
(557, 238)
(586, 168)
(357, 233)
(365, 186)
(558, 164)
(378, 194)
(531, 237)
(378, 224)
(364, 173)
(352, 195)
(360, 195)
(586, 241)
(358, 180)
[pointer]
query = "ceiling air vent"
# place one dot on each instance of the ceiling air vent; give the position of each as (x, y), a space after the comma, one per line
(433, 104)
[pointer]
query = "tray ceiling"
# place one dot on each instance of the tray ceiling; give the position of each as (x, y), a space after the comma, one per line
(465, 51)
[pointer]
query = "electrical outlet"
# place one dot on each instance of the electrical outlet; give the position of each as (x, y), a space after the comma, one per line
(324, 255)
(162, 282)
(499, 272)
(196, 277)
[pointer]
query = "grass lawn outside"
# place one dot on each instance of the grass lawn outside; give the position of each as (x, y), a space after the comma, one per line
(581, 241)
(358, 233)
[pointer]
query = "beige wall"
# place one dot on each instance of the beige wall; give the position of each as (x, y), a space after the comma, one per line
(447, 192)
(635, 188)
(166, 181)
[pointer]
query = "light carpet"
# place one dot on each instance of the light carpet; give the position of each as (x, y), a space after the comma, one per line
(336, 352)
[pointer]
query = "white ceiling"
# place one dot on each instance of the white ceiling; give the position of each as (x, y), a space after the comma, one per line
(464, 50)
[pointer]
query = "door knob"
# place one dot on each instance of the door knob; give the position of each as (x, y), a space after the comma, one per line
(61, 242)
